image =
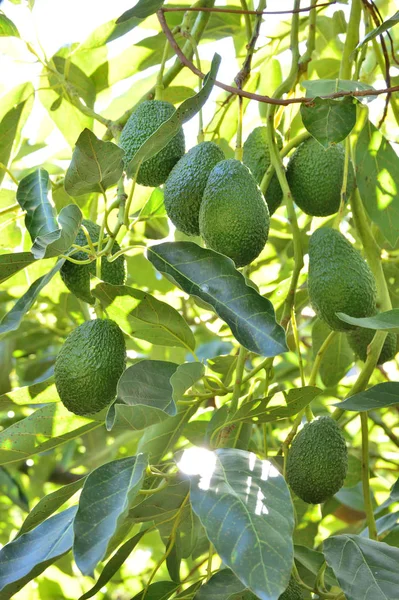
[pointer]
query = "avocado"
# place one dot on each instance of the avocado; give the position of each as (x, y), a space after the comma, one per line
(360, 338)
(315, 177)
(256, 157)
(317, 461)
(234, 218)
(89, 365)
(186, 184)
(77, 277)
(142, 123)
(293, 591)
(339, 279)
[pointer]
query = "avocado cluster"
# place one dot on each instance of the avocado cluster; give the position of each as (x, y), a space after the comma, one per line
(317, 461)
(77, 277)
(89, 365)
(315, 176)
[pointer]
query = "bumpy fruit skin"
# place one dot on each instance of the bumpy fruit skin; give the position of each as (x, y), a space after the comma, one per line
(186, 183)
(293, 591)
(89, 365)
(77, 277)
(144, 121)
(360, 338)
(317, 461)
(315, 176)
(234, 218)
(256, 157)
(339, 279)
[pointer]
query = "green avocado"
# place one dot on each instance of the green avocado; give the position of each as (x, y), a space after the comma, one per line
(315, 177)
(142, 123)
(256, 157)
(234, 218)
(317, 461)
(77, 277)
(360, 338)
(186, 183)
(89, 365)
(339, 279)
(293, 591)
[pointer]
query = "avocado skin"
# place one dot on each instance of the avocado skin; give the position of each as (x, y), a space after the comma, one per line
(317, 461)
(293, 591)
(142, 123)
(256, 157)
(186, 183)
(315, 177)
(234, 218)
(89, 365)
(77, 277)
(360, 338)
(339, 279)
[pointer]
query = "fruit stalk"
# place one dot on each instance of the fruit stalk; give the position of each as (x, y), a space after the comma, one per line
(351, 41)
(365, 478)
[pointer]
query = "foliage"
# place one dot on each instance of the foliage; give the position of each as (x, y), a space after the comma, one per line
(177, 488)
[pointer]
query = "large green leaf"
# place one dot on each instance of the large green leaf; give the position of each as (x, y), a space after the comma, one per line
(12, 263)
(378, 396)
(32, 196)
(7, 27)
(30, 554)
(213, 278)
(95, 165)
(377, 176)
(160, 590)
(363, 567)
(337, 358)
(104, 503)
(12, 319)
(46, 428)
(161, 505)
(9, 126)
(159, 439)
(60, 241)
(143, 9)
(329, 121)
(143, 316)
(167, 131)
(245, 507)
(185, 376)
(385, 321)
(325, 87)
(224, 585)
(391, 22)
(71, 74)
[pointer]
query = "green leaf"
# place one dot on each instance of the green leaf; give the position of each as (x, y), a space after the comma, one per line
(159, 439)
(49, 246)
(385, 321)
(114, 564)
(160, 590)
(143, 316)
(161, 505)
(329, 121)
(364, 568)
(30, 394)
(146, 390)
(169, 128)
(46, 428)
(13, 318)
(73, 75)
(391, 22)
(378, 396)
(7, 27)
(10, 487)
(325, 87)
(95, 165)
(377, 174)
(213, 278)
(12, 263)
(9, 126)
(223, 585)
(337, 358)
(245, 507)
(104, 502)
(30, 554)
(313, 560)
(32, 196)
(185, 376)
(49, 504)
(143, 9)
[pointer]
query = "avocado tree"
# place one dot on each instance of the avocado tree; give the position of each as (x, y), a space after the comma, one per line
(199, 305)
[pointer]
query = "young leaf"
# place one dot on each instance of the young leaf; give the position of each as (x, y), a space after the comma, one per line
(30, 554)
(378, 396)
(149, 318)
(104, 502)
(95, 165)
(169, 128)
(385, 321)
(7, 27)
(364, 568)
(32, 196)
(329, 121)
(213, 278)
(377, 174)
(143, 9)
(391, 22)
(245, 507)
(12, 263)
